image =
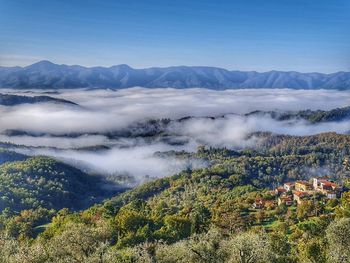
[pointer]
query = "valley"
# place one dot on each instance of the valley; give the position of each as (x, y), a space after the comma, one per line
(157, 184)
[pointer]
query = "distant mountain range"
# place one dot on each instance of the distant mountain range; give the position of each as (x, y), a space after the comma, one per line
(47, 75)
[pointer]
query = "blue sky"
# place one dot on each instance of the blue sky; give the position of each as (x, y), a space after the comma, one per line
(301, 35)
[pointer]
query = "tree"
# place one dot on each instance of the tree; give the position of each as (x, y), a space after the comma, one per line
(312, 251)
(198, 248)
(175, 228)
(344, 209)
(129, 221)
(260, 216)
(200, 219)
(338, 236)
(305, 209)
(279, 245)
(248, 248)
(77, 243)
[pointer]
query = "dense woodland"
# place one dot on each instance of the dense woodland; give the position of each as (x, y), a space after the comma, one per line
(202, 215)
(318, 116)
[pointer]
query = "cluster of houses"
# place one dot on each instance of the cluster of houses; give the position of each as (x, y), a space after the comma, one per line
(301, 191)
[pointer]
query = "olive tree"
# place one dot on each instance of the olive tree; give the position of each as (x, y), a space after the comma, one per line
(338, 236)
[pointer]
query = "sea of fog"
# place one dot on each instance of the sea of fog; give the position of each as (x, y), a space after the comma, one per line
(101, 111)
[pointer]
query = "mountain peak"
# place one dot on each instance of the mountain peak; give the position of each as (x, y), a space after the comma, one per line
(43, 64)
(121, 66)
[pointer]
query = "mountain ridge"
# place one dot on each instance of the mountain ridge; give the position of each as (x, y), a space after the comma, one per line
(14, 100)
(48, 75)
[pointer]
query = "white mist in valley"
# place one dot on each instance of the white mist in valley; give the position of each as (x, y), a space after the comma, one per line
(138, 161)
(67, 131)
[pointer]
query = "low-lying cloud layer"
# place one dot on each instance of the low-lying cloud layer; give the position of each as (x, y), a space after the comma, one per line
(137, 161)
(102, 112)
(232, 131)
(106, 110)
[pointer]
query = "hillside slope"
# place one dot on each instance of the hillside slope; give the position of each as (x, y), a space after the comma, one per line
(47, 183)
(222, 194)
(205, 215)
(13, 100)
(334, 115)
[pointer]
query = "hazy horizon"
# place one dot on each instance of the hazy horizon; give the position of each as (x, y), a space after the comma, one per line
(169, 66)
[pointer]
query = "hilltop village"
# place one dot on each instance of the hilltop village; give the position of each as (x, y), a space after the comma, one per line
(301, 191)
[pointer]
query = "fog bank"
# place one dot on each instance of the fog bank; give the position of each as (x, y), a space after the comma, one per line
(59, 130)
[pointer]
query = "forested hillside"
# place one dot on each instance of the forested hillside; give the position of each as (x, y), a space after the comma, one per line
(12, 100)
(318, 116)
(203, 215)
(44, 182)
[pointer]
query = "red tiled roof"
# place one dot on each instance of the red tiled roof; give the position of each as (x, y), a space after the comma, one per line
(280, 189)
(301, 194)
(303, 182)
(322, 178)
(330, 184)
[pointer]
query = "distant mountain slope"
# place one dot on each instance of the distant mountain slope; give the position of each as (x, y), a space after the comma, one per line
(339, 114)
(12, 100)
(10, 156)
(45, 74)
(45, 182)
